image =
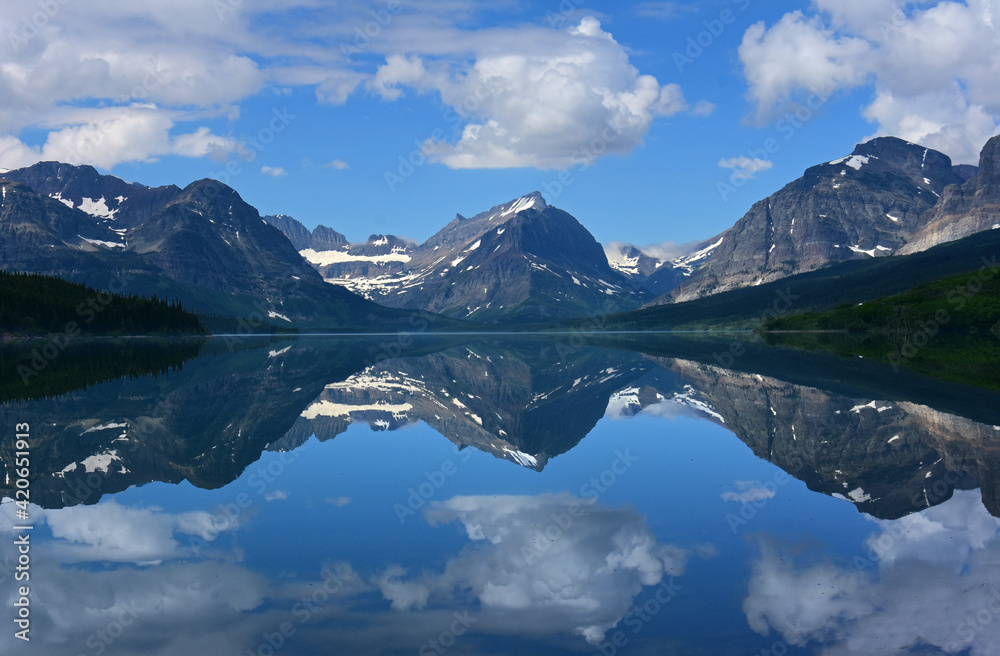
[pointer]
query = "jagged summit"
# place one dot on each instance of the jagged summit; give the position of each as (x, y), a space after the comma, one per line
(522, 259)
(532, 201)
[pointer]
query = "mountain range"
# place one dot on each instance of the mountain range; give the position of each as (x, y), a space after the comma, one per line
(872, 203)
(202, 245)
(522, 261)
(879, 448)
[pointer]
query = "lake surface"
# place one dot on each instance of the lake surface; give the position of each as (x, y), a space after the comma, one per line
(496, 495)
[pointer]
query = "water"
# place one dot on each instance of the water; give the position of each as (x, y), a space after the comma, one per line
(506, 496)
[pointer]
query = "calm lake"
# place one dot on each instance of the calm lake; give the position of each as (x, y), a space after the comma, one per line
(498, 495)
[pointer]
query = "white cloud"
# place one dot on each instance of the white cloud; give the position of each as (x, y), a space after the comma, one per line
(934, 572)
(703, 108)
(542, 564)
(277, 495)
(107, 136)
(749, 491)
(337, 164)
(541, 98)
(109, 532)
(665, 251)
(397, 70)
(745, 166)
(521, 96)
(273, 171)
(932, 68)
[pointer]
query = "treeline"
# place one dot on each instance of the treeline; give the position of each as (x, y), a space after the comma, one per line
(86, 363)
(966, 304)
(34, 305)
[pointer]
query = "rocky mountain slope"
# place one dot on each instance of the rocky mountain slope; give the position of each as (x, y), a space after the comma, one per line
(865, 205)
(660, 276)
(203, 246)
(111, 201)
(523, 260)
(208, 421)
(889, 459)
(964, 209)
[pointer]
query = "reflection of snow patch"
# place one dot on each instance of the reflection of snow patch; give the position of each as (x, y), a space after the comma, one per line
(859, 496)
(100, 462)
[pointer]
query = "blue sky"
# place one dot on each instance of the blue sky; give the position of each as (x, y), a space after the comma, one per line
(650, 122)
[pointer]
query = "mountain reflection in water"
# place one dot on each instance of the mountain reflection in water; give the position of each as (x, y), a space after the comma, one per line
(409, 543)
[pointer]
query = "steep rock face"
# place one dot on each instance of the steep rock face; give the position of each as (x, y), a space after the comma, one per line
(352, 265)
(861, 206)
(204, 423)
(966, 171)
(522, 260)
(209, 237)
(521, 402)
(889, 459)
(660, 276)
(964, 209)
(539, 264)
(108, 199)
(42, 235)
(320, 239)
(204, 246)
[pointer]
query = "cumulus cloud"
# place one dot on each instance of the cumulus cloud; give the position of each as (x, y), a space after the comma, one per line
(273, 171)
(561, 99)
(337, 164)
(107, 136)
(746, 167)
(109, 532)
(541, 564)
(932, 67)
(520, 96)
(933, 570)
